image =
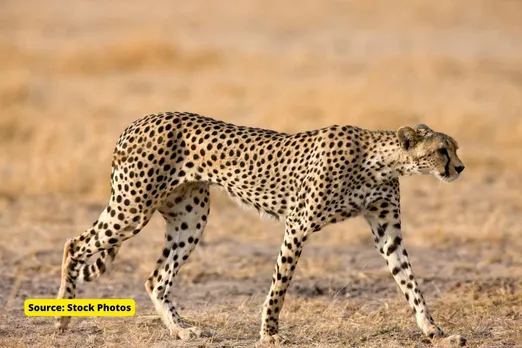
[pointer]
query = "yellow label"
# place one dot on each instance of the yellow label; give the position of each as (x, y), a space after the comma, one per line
(79, 307)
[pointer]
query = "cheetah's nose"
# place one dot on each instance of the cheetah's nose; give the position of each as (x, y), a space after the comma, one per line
(459, 169)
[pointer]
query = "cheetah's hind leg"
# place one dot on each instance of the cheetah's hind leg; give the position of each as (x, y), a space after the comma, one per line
(185, 212)
(106, 233)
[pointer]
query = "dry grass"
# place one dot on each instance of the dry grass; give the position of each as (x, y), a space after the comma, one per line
(74, 74)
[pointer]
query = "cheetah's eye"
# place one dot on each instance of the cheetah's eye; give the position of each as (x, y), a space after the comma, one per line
(443, 152)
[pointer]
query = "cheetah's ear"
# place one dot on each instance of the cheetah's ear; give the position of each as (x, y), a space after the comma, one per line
(422, 129)
(408, 137)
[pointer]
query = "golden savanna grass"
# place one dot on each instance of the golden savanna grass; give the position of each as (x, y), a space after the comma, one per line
(73, 75)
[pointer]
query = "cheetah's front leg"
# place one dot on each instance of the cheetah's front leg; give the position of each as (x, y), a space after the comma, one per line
(295, 236)
(384, 218)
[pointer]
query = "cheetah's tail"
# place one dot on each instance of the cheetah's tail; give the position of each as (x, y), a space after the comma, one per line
(89, 272)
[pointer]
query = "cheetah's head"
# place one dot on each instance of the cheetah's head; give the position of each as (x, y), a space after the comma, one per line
(431, 152)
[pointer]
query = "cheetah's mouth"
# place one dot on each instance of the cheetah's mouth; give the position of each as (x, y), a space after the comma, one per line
(446, 177)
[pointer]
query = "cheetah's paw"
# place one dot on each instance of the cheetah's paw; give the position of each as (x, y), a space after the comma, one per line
(275, 339)
(62, 323)
(453, 341)
(432, 331)
(187, 333)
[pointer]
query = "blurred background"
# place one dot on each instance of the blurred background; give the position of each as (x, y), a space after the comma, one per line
(74, 74)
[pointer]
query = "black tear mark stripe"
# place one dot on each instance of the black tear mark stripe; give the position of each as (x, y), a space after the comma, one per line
(446, 167)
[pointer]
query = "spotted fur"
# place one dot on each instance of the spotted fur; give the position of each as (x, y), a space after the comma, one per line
(166, 162)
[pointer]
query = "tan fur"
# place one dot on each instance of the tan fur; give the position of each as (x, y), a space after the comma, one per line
(307, 180)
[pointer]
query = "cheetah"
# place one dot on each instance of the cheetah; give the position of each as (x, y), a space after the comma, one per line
(166, 162)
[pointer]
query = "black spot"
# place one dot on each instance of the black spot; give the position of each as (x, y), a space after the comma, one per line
(395, 244)
(381, 230)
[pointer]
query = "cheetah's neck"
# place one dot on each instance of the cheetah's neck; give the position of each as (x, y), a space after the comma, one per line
(387, 158)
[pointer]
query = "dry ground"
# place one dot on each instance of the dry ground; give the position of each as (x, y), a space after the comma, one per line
(74, 74)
